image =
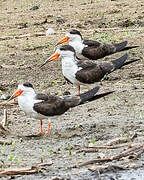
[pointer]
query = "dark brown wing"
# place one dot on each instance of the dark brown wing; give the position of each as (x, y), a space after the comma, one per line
(51, 105)
(92, 43)
(93, 72)
(96, 50)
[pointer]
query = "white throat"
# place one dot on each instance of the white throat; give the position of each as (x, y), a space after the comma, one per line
(77, 45)
(26, 102)
(69, 68)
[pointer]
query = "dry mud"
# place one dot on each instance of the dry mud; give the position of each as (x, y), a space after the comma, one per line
(120, 114)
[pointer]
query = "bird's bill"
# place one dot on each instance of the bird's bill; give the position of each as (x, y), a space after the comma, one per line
(53, 57)
(63, 40)
(16, 94)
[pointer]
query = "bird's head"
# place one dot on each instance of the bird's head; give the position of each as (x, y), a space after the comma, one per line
(63, 51)
(22, 90)
(72, 35)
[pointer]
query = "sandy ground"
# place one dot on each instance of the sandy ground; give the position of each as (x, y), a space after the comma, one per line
(119, 115)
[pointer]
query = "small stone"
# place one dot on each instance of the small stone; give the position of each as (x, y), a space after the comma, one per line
(50, 31)
(4, 97)
(60, 20)
(34, 8)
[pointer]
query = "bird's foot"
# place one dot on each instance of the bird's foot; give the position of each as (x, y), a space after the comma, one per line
(41, 133)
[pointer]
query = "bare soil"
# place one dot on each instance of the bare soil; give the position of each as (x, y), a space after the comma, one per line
(121, 114)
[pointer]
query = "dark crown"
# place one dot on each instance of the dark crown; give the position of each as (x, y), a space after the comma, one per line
(27, 84)
(74, 31)
(67, 48)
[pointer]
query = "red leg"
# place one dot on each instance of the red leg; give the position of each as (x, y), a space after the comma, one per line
(48, 129)
(89, 89)
(41, 129)
(79, 90)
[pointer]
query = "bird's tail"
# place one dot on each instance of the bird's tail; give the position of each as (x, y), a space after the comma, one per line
(129, 47)
(88, 95)
(72, 101)
(129, 62)
(118, 63)
(122, 46)
(91, 95)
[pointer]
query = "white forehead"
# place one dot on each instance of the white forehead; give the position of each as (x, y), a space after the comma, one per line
(20, 86)
(68, 34)
(65, 53)
(58, 51)
(24, 88)
(74, 37)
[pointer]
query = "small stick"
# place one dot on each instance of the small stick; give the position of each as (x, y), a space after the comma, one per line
(18, 171)
(118, 140)
(23, 36)
(118, 156)
(43, 164)
(106, 167)
(117, 29)
(4, 121)
(91, 162)
(95, 148)
(128, 152)
(2, 128)
(25, 170)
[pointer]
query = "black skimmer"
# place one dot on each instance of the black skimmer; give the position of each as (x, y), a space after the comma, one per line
(41, 106)
(80, 72)
(92, 49)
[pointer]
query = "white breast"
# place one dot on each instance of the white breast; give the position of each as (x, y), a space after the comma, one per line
(77, 45)
(26, 103)
(69, 69)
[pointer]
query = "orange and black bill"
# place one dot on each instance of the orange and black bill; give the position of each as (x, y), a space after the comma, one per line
(16, 94)
(63, 40)
(53, 57)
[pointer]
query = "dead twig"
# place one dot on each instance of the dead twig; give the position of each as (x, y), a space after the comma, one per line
(20, 171)
(25, 170)
(4, 121)
(118, 140)
(125, 153)
(3, 130)
(39, 165)
(95, 148)
(117, 29)
(128, 152)
(104, 168)
(91, 162)
(23, 36)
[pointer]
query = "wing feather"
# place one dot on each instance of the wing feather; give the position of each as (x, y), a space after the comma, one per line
(93, 72)
(51, 105)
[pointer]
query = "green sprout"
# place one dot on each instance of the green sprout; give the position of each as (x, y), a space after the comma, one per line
(69, 149)
(92, 140)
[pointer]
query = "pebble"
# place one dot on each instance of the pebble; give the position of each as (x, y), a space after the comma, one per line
(50, 31)
(4, 97)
